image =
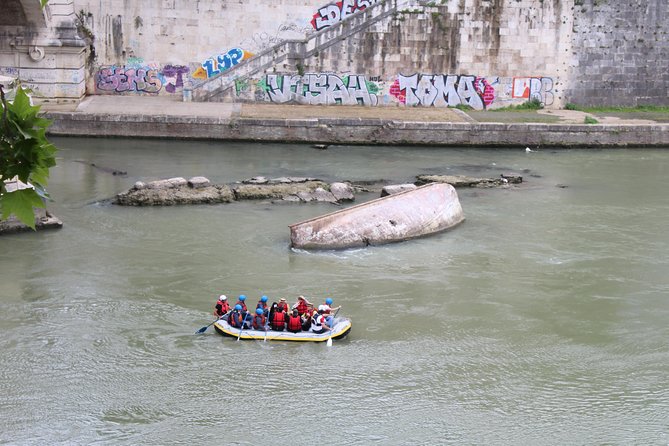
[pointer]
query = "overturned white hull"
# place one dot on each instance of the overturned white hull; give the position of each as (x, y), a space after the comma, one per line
(415, 213)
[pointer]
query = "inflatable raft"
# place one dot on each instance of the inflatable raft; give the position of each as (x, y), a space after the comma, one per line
(341, 328)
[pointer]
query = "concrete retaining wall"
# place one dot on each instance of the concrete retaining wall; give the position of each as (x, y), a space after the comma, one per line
(362, 131)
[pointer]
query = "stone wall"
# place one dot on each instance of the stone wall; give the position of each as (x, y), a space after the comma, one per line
(481, 53)
(620, 53)
(43, 49)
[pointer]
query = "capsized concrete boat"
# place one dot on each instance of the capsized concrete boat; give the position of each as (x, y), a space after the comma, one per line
(415, 213)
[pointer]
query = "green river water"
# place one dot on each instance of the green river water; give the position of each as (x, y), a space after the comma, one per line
(541, 320)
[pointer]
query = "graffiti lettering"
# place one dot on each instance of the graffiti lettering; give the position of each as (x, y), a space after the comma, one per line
(122, 79)
(540, 88)
(216, 65)
(323, 89)
(173, 75)
(336, 12)
(437, 90)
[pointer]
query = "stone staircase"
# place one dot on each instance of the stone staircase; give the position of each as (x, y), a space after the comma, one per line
(292, 52)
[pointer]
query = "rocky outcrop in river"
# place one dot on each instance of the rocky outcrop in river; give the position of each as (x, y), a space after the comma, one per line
(198, 190)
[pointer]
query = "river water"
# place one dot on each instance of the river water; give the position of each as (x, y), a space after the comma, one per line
(542, 319)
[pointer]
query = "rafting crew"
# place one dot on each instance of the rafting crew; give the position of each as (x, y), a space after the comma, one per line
(222, 306)
(262, 304)
(318, 323)
(302, 317)
(260, 320)
(303, 306)
(241, 302)
(277, 318)
(327, 309)
(236, 318)
(283, 305)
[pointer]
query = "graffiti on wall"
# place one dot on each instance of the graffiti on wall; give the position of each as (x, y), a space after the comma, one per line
(174, 77)
(218, 64)
(120, 79)
(529, 88)
(443, 90)
(320, 89)
(137, 77)
(336, 12)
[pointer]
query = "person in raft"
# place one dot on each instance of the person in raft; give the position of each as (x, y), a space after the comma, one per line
(327, 309)
(302, 305)
(222, 306)
(259, 320)
(262, 304)
(278, 319)
(294, 324)
(241, 303)
(318, 323)
(236, 318)
(283, 305)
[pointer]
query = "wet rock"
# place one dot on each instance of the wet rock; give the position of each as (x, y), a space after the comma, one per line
(168, 196)
(256, 180)
(169, 183)
(318, 194)
(461, 181)
(275, 191)
(198, 182)
(342, 191)
(43, 220)
(320, 146)
(512, 178)
(397, 188)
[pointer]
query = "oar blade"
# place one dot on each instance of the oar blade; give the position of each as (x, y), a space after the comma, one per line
(202, 330)
(329, 343)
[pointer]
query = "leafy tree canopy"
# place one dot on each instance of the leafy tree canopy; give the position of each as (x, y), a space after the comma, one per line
(25, 155)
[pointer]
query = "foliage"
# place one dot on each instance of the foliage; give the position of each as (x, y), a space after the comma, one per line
(25, 154)
(590, 120)
(619, 109)
(532, 104)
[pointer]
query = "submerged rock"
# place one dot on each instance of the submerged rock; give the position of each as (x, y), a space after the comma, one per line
(397, 188)
(464, 181)
(168, 196)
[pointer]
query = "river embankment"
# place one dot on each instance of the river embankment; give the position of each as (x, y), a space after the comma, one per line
(156, 117)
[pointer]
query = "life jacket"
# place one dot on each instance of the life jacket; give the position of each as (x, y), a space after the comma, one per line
(235, 319)
(282, 306)
(302, 307)
(259, 321)
(221, 308)
(294, 323)
(317, 323)
(278, 320)
(239, 302)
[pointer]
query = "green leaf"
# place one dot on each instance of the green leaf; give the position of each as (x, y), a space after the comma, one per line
(43, 3)
(21, 203)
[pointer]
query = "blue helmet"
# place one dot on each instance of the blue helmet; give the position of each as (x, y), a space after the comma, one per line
(328, 301)
(238, 307)
(263, 299)
(259, 311)
(242, 297)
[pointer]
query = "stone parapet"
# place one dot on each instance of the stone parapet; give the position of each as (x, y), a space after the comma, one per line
(360, 131)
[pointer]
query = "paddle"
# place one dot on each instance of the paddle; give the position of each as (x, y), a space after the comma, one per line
(242, 329)
(329, 343)
(203, 329)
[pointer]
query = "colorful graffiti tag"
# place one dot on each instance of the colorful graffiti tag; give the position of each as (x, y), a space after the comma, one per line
(336, 12)
(443, 90)
(320, 89)
(540, 88)
(174, 77)
(216, 65)
(122, 79)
